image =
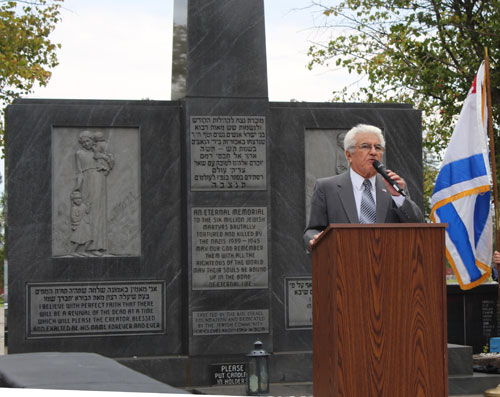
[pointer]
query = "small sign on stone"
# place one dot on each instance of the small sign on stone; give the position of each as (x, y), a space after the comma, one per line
(228, 374)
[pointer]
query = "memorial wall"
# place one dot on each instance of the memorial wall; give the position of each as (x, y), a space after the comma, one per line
(94, 239)
(205, 268)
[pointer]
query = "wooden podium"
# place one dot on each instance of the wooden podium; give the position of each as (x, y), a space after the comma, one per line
(379, 311)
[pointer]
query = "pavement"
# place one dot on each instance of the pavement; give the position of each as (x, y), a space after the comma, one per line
(303, 389)
(299, 389)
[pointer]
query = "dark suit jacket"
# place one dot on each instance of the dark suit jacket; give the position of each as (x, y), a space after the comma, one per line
(333, 202)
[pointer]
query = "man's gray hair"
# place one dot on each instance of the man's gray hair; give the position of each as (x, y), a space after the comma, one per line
(350, 137)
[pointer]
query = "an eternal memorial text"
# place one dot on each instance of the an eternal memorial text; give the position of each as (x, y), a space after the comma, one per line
(229, 248)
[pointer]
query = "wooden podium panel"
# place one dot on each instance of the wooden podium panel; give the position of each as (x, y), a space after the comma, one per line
(379, 311)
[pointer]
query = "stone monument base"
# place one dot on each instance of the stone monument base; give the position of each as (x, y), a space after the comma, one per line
(188, 372)
(461, 378)
(290, 368)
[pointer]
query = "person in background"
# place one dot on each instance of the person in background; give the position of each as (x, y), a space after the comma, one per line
(496, 261)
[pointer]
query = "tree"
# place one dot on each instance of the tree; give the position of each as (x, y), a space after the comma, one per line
(26, 57)
(26, 52)
(424, 52)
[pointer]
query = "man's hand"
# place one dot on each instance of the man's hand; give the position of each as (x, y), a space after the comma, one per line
(315, 238)
(395, 178)
(496, 257)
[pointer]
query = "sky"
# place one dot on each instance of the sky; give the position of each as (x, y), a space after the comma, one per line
(121, 49)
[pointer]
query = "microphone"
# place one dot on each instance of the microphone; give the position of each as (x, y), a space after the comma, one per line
(380, 168)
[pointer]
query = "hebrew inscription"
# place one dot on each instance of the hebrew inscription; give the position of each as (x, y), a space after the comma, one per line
(229, 248)
(95, 192)
(298, 302)
(93, 309)
(228, 153)
(231, 322)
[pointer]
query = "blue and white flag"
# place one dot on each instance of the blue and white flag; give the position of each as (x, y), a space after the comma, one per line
(461, 196)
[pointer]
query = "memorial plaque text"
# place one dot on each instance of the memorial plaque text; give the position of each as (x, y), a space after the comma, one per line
(228, 152)
(93, 309)
(488, 309)
(229, 248)
(298, 298)
(231, 322)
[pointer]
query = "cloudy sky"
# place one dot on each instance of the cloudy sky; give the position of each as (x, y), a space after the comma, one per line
(121, 49)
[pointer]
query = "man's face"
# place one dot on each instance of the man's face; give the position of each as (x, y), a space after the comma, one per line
(365, 153)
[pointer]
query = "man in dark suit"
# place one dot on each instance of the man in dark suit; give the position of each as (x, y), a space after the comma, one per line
(359, 195)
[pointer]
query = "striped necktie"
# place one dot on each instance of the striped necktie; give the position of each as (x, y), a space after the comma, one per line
(368, 212)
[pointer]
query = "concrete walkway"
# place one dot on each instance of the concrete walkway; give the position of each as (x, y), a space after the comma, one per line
(303, 389)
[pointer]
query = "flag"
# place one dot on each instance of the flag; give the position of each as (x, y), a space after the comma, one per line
(461, 196)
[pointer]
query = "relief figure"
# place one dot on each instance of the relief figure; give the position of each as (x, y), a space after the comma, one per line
(80, 224)
(93, 165)
(340, 160)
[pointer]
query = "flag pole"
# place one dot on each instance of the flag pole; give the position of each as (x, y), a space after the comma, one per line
(495, 189)
(492, 148)
(493, 166)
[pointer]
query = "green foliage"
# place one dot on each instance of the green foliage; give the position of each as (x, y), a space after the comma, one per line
(3, 202)
(424, 52)
(26, 57)
(26, 52)
(431, 169)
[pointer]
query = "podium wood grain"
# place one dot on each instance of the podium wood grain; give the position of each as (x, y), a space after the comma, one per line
(379, 311)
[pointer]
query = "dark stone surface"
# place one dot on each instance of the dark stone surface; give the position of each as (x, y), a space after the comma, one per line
(29, 124)
(461, 379)
(474, 384)
(174, 370)
(75, 371)
(288, 125)
(472, 317)
(459, 360)
(226, 49)
(224, 299)
(184, 371)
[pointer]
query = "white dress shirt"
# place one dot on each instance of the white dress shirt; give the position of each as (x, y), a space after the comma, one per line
(358, 188)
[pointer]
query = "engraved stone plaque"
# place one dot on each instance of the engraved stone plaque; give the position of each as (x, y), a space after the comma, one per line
(229, 248)
(298, 302)
(228, 152)
(95, 192)
(488, 311)
(231, 322)
(95, 309)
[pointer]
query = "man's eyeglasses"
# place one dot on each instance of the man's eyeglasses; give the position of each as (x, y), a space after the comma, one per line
(366, 146)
